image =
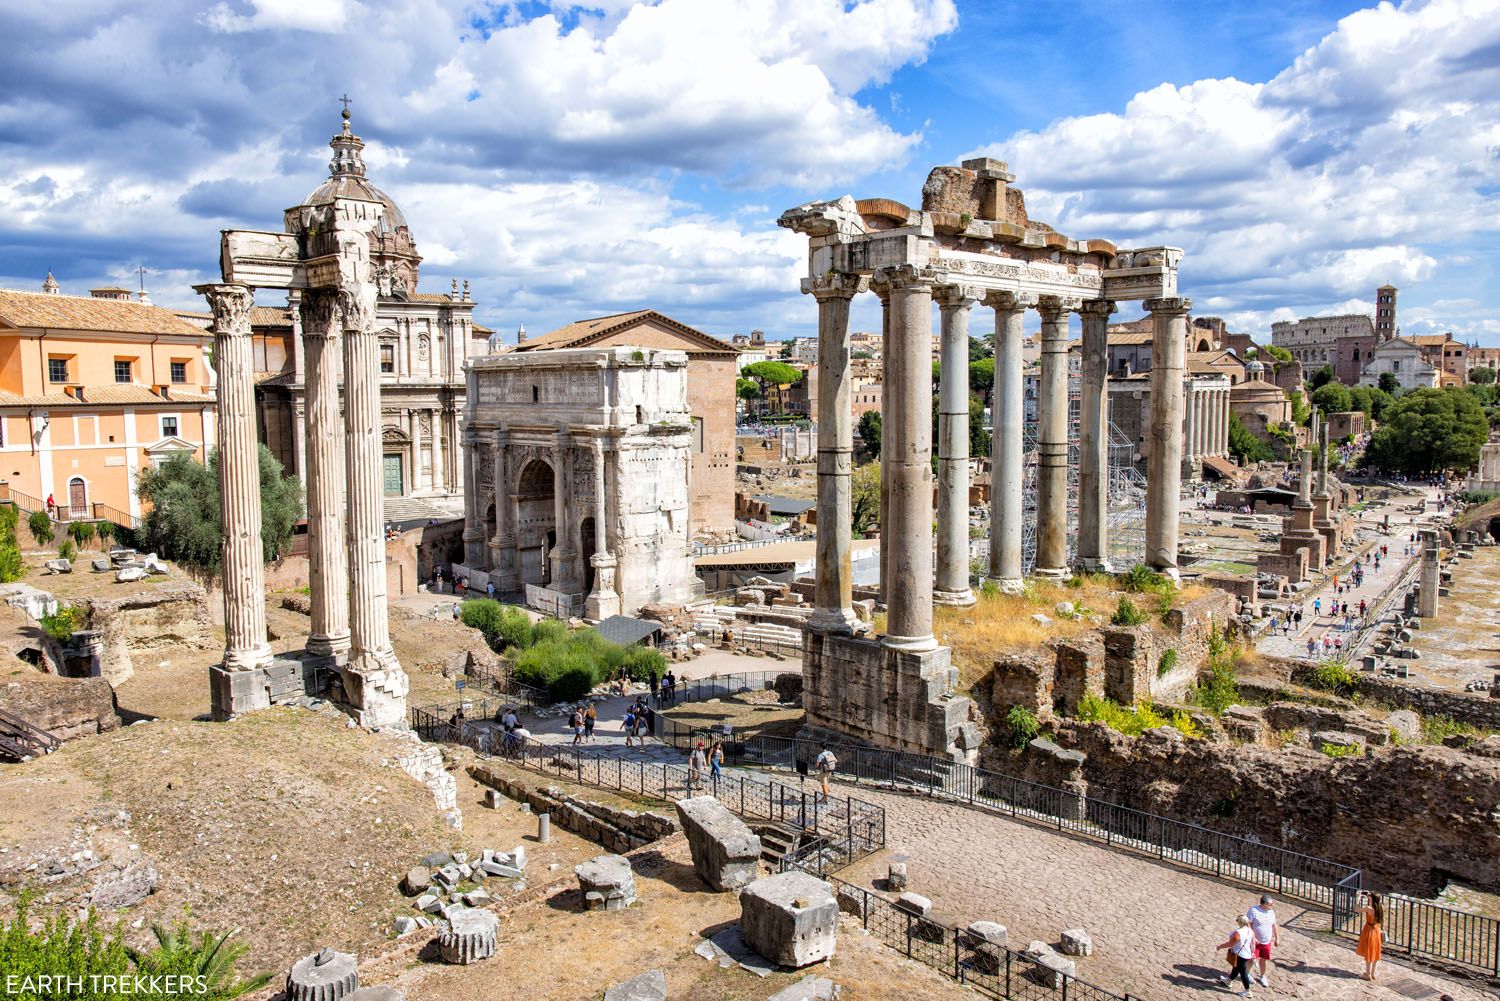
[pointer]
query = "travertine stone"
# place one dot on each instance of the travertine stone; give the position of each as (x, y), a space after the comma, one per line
(1164, 462)
(607, 883)
(906, 452)
(895, 877)
(245, 646)
(469, 937)
(988, 940)
(952, 584)
(1076, 942)
(833, 595)
(726, 853)
(1007, 505)
(1093, 439)
(1052, 442)
(328, 573)
(323, 976)
(791, 918)
(648, 986)
(604, 600)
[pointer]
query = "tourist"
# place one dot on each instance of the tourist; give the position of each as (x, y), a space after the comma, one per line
(650, 715)
(630, 725)
(51, 506)
(1317, 607)
(1312, 646)
(489, 589)
(1241, 946)
(696, 761)
(437, 580)
(1267, 935)
(669, 687)
(590, 719)
(1297, 617)
(575, 721)
(460, 585)
(510, 721)
(716, 762)
(825, 763)
(1371, 934)
(1362, 607)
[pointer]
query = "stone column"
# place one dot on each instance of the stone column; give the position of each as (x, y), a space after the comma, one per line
(1093, 438)
(435, 446)
(299, 437)
(503, 538)
(245, 646)
(1052, 442)
(604, 599)
(328, 567)
(1223, 423)
(374, 683)
(1431, 574)
(1007, 445)
(563, 553)
(474, 540)
(882, 290)
(833, 595)
(1323, 457)
(952, 585)
(1164, 463)
(906, 451)
(416, 450)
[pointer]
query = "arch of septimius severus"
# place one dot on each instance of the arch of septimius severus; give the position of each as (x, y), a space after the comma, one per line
(324, 253)
(970, 242)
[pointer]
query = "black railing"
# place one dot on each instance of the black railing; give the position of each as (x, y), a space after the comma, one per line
(712, 687)
(994, 970)
(1424, 930)
(503, 684)
(1228, 856)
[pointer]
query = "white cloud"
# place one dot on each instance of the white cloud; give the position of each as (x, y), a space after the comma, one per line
(304, 15)
(1354, 166)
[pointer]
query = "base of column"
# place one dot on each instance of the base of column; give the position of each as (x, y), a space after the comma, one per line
(1095, 566)
(375, 689)
(1171, 573)
(1007, 585)
(834, 622)
(330, 645)
(1052, 573)
(959, 599)
(909, 644)
(600, 605)
(280, 680)
(248, 659)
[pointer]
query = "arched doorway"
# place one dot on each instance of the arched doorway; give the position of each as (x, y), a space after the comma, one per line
(78, 498)
(536, 524)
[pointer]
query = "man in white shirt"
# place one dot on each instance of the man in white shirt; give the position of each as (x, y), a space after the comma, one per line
(1267, 934)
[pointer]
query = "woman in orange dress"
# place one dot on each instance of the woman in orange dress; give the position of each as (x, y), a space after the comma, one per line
(1370, 934)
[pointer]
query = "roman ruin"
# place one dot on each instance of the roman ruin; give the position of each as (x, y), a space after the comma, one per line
(577, 491)
(971, 241)
(324, 252)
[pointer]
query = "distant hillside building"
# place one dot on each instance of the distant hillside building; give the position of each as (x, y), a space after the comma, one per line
(1385, 312)
(1403, 358)
(1345, 342)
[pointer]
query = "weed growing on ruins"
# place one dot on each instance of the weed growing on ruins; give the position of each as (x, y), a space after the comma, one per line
(81, 532)
(1167, 662)
(1126, 614)
(1219, 691)
(1436, 729)
(41, 527)
(1141, 579)
(60, 625)
(1334, 676)
(106, 530)
(67, 550)
(1133, 720)
(12, 567)
(1342, 750)
(1185, 724)
(1024, 726)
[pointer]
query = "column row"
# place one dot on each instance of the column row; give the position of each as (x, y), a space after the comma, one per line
(1207, 423)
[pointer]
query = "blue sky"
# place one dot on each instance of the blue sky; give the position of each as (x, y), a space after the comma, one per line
(572, 161)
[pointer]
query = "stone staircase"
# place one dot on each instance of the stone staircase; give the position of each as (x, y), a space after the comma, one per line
(22, 740)
(776, 842)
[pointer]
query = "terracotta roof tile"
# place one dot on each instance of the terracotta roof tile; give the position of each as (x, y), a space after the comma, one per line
(580, 332)
(270, 316)
(72, 312)
(109, 395)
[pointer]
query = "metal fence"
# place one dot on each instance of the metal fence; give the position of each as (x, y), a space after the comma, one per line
(994, 970)
(503, 684)
(714, 686)
(1424, 930)
(1227, 856)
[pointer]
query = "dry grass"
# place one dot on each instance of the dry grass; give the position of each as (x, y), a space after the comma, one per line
(750, 714)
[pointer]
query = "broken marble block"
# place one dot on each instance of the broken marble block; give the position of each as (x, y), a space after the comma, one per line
(58, 566)
(127, 575)
(988, 940)
(791, 918)
(470, 936)
(895, 877)
(809, 988)
(1054, 969)
(913, 903)
(648, 986)
(323, 976)
(726, 853)
(607, 883)
(1076, 942)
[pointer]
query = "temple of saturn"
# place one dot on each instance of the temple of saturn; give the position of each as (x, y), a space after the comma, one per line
(324, 253)
(971, 242)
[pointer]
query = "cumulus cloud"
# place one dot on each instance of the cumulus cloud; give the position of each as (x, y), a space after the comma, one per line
(1362, 162)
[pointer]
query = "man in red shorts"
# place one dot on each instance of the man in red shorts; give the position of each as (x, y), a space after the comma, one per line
(1267, 934)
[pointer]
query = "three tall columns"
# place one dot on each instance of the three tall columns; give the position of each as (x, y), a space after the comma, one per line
(245, 645)
(952, 586)
(1007, 443)
(1164, 460)
(1093, 439)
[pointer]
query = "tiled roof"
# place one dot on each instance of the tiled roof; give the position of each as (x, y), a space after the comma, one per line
(442, 297)
(110, 395)
(71, 312)
(1432, 340)
(581, 332)
(270, 316)
(1130, 336)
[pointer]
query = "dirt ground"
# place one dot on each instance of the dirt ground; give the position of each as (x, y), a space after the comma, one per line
(752, 714)
(1460, 644)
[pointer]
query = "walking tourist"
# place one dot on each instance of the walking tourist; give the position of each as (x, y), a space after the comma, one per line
(1267, 932)
(716, 761)
(510, 721)
(1371, 934)
(1241, 946)
(575, 721)
(696, 760)
(630, 724)
(825, 763)
(489, 589)
(590, 719)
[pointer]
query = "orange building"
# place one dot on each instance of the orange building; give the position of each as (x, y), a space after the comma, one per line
(93, 389)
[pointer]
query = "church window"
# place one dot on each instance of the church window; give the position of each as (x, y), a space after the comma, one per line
(387, 359)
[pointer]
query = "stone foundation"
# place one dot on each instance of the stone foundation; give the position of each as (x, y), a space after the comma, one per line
(283, 680)
(170, 615)
(893, 698)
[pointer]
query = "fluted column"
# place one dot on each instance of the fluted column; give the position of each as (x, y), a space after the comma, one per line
(328, 567)
(604, 599)
(474, 540)
(374, 683)
(1052, 442)
(1007, 445)
(906, 451)
(882, 290)
(1164, 463)
(1093, 438)
(952, 584)
(245, 646)
(833, 594)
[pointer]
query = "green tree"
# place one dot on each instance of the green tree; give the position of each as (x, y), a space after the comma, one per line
(1388, 383)
(183, 521)
(41, 527)
(207, 955)
(1278, 352)
(1430, 430)
(864, 498)
(503, 626)
(1245, 446)
(746, 389)
(1333, 398)
(772, 373)
(1482, 375)
(869, 431)
(1320, 378)
(982, 377)
(12, 567)
(1300, 410)
(980, 347)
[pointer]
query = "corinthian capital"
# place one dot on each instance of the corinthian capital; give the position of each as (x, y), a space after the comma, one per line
(908, 276)
(1056, 308)
(1096, 307)
(357, 303)
(231, 307)
(835, 285)
(956, 296)
(1009, 302)
(1173, 304)
(320, 312)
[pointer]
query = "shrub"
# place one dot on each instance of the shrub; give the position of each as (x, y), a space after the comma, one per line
(1166, 663)
(1218, 692)
(41, 527)
(1131, 721)
(106, 530)
(645, 664)
(503, 626)
(569, 664)
(1024, 726)
(1342, 751)
(61, 624)
(1126, 614)
(81, 532)
(67, 550)
(1334, 676)
(1185, 724)
(549, 630)
(209, 955)
(12, 567)
(1435, 729)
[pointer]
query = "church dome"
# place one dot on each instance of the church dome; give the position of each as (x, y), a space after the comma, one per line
(352, 186)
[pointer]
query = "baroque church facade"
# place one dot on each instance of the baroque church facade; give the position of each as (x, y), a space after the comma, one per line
(425, 340)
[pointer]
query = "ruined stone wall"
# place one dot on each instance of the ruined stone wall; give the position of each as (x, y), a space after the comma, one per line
(167, 615)
(67, 707)
(1410, 816)
(614, 827)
